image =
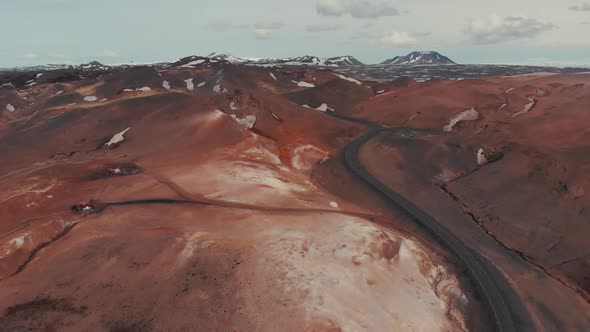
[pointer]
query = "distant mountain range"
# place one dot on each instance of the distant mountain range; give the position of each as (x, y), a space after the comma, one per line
(308, 60)
(414, 58)
(420, 58)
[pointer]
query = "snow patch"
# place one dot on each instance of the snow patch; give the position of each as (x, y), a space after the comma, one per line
(304, 84)
(324, 107)
(467, 115)
(189, 84)
(273, 76)
(350, 79)
(334, 204)
(502, 107)
(192, 63)
(380, 92)
(10, 108)
(143, 89)
(247, 122)
(166, 85)
(201, 84)
(507, 91)
(233, 106)
(90, 98)
(59, 93)
(526, 107)
(117, 138)
(481, 157)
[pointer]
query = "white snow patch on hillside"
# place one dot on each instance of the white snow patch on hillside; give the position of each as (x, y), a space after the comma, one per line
(509, 90)
(189, 84)
(10, 108)
(143, 89)
(304, 84)
(90, 98)
(324, 107)
(525, 108)
(306, 106)
(104, 99)
(380, 92)
(201, 84)
(247, 122)
(59, 92)
(350, 79)
(334, 204)
(273, 76)
(502, 107)
(117, 138)
(481, 157)
(467, 115)
(166, 85)
(233, 106)
(193, 63)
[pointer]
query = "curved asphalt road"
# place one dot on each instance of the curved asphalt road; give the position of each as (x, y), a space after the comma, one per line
(475, 267)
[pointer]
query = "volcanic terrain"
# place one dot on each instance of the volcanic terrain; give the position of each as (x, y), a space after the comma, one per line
(214, 196)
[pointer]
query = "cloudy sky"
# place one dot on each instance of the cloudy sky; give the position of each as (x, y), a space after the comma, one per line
(468, 31)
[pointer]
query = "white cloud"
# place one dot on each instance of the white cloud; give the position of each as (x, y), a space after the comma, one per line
(262, 34)
(266, 30)
(29, 56)
(108, 54)
(323, 27)
(397, 39)
(496, 29)
(355, 8)
(584, 7)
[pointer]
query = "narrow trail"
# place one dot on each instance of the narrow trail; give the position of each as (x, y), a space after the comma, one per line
(188, 198)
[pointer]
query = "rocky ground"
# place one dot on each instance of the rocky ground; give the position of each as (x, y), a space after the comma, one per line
(226, 205)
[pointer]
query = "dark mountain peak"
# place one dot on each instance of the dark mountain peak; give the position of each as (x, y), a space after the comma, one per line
(419, 58)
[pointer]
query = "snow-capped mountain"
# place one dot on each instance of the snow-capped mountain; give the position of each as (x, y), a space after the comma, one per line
(306, 60)
(227, 57)
(309, 60)
(94, 66)
(419, 58)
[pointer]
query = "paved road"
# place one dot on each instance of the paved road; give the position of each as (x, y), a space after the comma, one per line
(485, 284)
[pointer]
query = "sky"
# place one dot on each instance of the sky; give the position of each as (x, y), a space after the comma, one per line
(535, 32)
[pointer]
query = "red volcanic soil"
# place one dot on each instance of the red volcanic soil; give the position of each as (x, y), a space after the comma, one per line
(223, 204)
(532, 203)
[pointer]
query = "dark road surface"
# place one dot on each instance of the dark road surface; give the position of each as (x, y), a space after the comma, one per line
(479, 273)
